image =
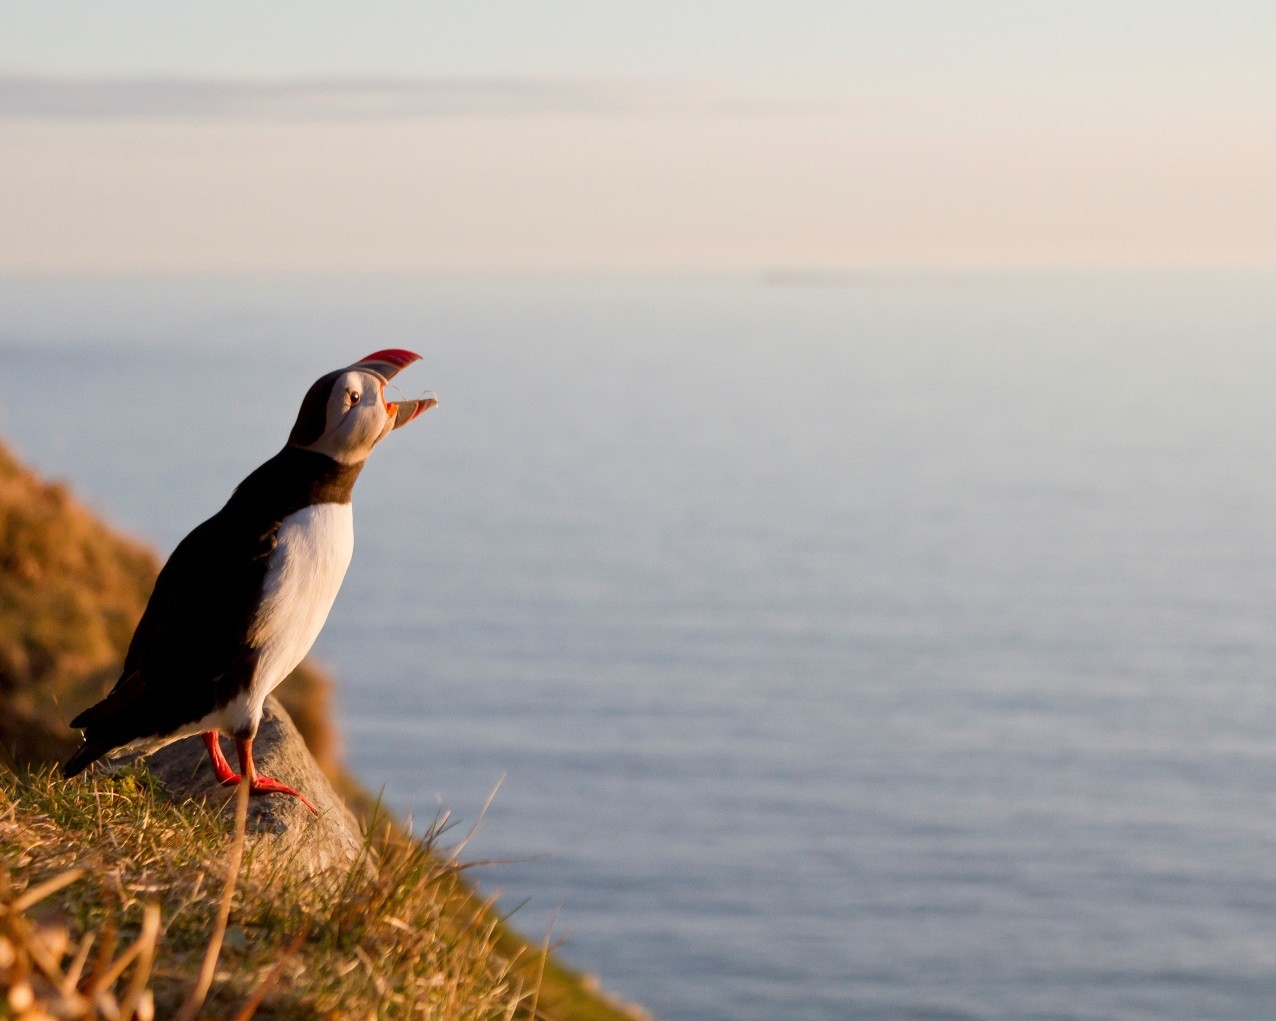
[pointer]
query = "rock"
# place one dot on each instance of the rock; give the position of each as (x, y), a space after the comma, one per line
(279, 826)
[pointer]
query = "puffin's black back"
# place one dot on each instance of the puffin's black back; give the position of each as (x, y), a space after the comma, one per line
(192, 650)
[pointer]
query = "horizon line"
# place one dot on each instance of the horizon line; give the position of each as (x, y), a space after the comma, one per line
(799, 276)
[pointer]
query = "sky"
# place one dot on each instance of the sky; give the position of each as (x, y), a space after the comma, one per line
(692, 136)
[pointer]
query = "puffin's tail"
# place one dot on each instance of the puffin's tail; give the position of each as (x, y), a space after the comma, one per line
(87, 755)
(101, 723)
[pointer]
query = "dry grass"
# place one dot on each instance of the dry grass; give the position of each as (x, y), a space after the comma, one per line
(43, 974)
(106, 863)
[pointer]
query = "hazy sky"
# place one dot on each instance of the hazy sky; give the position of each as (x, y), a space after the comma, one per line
(564, 135)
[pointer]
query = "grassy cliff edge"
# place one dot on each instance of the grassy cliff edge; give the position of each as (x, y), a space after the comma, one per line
(123, 865)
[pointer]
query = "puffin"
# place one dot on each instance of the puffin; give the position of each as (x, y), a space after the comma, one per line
(243, 597)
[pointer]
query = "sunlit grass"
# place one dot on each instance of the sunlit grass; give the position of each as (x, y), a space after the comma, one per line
(132, 869)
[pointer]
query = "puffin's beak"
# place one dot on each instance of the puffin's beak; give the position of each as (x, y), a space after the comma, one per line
(405, 411)
(387, 363)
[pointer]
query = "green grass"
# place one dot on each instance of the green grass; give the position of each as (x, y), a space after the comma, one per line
(407, 941)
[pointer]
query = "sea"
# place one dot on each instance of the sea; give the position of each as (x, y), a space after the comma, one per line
(894, 646)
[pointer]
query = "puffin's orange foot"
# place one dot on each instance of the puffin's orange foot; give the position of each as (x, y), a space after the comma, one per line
(269, 785)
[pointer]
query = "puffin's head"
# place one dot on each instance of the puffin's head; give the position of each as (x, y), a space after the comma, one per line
(345, 413)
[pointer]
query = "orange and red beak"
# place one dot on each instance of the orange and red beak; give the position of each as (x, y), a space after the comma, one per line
(405, 411)
(387, 364)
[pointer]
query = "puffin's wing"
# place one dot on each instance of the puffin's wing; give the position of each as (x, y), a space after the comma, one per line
(190, 652)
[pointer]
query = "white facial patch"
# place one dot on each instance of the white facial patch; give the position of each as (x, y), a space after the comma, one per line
(357, 418)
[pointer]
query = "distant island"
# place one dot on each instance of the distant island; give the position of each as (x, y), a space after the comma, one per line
(811, 277)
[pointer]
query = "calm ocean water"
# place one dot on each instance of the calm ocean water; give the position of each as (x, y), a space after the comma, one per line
(893, 650)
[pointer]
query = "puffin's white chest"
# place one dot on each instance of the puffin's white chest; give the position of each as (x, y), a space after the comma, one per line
(302, 580)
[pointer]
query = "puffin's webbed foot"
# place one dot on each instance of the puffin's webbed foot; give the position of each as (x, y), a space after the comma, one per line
(257, 784)
(269, 785)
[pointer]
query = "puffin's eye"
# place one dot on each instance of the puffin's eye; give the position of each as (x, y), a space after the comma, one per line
(353, 395)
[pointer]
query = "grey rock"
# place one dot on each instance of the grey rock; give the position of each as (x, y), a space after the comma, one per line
(281, 829)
